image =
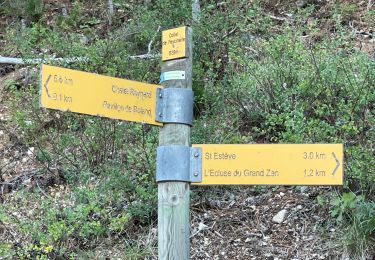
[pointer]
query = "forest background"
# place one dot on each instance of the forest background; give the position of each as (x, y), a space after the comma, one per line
(81, 187)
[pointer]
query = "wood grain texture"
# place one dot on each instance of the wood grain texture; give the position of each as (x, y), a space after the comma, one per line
(174, 197)
(173, 220)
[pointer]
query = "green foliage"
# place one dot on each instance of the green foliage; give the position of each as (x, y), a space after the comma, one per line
(118, 223)
(298, 94)
(343, 204)
(369, 18)
(346, 11)
(284, 91)
(73, 19)
(99, 207)
(293, 93)
(31, 10)
(361, 215)
(110, 162)
(10, 85)
(33, 251)
(6, 250)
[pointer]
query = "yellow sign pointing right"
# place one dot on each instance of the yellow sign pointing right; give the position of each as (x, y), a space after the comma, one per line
(271, 164)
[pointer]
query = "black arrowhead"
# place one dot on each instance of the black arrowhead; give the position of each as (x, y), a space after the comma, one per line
(46, 85)
(337, 164)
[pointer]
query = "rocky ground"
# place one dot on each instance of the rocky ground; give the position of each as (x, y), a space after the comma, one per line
(282, 224)
(17, 160)
(272, 224)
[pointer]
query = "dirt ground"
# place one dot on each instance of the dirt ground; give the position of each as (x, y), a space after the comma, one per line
(241, 226)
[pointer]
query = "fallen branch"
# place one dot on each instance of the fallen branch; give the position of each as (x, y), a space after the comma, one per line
(145, 56)
(369, 5)
(20, 61)
(152, 40)
(110, 11)
(21, 177)
(196, 11)
(277, 18)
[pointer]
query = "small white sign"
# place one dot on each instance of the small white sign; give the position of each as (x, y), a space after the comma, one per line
(171, 75)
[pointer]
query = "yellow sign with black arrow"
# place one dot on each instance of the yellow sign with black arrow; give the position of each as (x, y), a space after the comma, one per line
(271, 164)
(93, 94)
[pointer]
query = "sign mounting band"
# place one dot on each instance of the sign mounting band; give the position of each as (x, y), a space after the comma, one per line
(174, 105)
(178, 163)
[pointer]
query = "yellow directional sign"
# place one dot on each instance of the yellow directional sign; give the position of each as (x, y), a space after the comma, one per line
(92, 94)
(272, 164)
(174, 43)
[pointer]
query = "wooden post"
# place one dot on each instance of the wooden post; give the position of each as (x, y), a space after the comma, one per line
(174, 197)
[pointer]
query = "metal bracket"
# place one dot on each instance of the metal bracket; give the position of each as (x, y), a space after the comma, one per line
(179, 163)
(174, 105)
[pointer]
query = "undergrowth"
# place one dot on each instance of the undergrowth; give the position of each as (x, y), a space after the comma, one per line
(264, 82)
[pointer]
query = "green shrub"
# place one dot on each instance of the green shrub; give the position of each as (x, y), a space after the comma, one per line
(6, 250)
(297, 94)
(98, 208)
(359, 235)
(31, 10)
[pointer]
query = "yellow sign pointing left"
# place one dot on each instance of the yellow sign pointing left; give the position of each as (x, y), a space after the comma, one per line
(93, 94)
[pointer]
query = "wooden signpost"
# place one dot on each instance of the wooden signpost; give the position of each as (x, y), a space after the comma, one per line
(178, 164)
(174, 196)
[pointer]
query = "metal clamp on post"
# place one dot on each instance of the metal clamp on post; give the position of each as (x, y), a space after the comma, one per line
(174, 105)
(179, 163)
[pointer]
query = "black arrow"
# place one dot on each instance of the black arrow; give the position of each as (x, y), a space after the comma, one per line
(337, 164)
(46, 85)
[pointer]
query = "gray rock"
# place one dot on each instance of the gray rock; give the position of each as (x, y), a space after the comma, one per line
(280, 216)
(302, 189)
(83, 40)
